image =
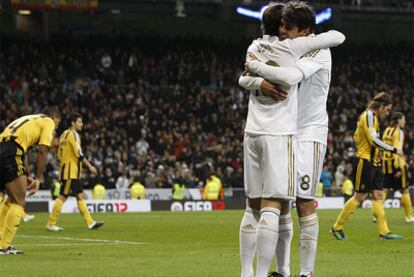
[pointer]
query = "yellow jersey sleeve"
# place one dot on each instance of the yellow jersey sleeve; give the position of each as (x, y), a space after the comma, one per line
(48, 129)
(398, 142)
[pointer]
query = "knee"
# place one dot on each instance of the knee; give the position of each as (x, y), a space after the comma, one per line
(305, 207)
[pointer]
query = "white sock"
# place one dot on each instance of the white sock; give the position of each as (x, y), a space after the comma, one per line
(248, 227)
(267, 236)
(308, 242)
(283, 244)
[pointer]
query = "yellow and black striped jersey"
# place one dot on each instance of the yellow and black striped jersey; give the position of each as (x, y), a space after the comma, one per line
(391, 162)
(30, 130)
(70, 155)
(367, 139)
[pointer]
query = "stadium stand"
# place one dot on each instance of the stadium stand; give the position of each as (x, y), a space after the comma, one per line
(173, 110)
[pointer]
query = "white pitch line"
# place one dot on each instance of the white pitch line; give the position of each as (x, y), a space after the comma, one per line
(83, 239)
(62, 244)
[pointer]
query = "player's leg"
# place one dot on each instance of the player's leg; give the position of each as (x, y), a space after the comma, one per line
(405, 199)
(284, 242)
(16, 191)
(389, 182)
(378, 208)
(362, 176)
(267, 234)
(247, 236)
(83, 208)
(279, 185)
(65, 189)
(349, 208)
(253, 191)
(309, 174)
(308, 235)
(4, 207)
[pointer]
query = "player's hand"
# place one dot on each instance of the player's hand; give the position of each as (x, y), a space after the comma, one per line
(273, 91)
(397, 174)
(252, 57)
(93, 170)
(33, 186)
(400, 152)
(29, 180)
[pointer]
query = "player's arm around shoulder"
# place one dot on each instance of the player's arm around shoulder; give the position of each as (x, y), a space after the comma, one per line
(301, 45)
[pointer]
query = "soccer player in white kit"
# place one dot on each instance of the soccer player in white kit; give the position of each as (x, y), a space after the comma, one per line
(270, 143)
(313, 70)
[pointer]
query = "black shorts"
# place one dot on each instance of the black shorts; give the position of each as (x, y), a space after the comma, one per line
(11, 163)
(71, 187)
(366, 176)
(396, 183)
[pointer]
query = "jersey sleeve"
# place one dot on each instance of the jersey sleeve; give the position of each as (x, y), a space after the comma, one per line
(250, 82)
(48, 130)
(372, 135)
(286, 76)
(301, 45)
(313, 61)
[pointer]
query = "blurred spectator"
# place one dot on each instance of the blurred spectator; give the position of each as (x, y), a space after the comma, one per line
(326, 179)
(162, 115)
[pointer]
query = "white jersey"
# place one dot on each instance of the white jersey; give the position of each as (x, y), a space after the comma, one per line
(265, 115)
(312, 96)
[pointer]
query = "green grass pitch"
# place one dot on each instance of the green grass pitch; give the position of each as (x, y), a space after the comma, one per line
(196, 244)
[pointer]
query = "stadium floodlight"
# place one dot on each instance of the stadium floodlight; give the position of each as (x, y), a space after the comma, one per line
(321, 16)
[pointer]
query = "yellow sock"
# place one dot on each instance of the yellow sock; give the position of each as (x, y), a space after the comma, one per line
(4, 207)
(85, 212)
(13, 217)
(379, 213)
(53, 217)
(348, 209)
(406, 202)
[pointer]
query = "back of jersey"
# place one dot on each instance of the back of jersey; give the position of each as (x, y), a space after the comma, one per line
(30, 130)
(392, 136)
(313, 94)
(266, 116)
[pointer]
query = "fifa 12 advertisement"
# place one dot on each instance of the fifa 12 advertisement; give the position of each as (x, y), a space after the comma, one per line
(106, 206)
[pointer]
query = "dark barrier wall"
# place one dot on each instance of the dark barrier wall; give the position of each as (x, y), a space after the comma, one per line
(37, 207)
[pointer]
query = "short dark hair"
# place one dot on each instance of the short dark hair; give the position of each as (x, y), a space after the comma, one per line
(395, 117)
(52, 112)
(300, 14)
(72, 117)
(272, 16)
(380, 99)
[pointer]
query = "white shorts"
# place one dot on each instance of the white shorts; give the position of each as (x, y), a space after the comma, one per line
(310, 162)
(270, 166)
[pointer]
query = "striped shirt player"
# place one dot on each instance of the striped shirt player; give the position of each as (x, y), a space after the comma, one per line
(394, 167)
(367, 175)
(71, 160)
(15, 141)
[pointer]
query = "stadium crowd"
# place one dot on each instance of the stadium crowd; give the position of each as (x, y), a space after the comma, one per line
(172, 111)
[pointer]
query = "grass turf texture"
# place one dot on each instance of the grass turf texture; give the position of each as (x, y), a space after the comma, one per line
(196, 244)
